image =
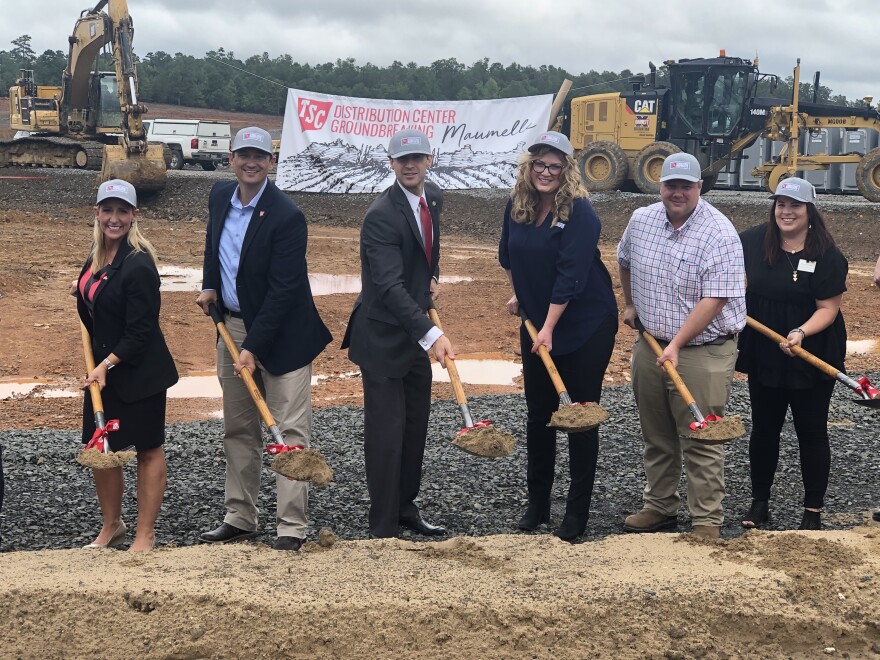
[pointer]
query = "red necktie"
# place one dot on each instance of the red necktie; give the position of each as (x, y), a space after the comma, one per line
(427, 229)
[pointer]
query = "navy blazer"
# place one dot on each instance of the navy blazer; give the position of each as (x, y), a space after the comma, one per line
(126, 323)
(284, 330)
(390, 315)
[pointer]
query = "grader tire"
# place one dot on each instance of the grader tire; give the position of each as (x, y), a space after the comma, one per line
(868, 175)
(709, 183)
(649, 163)
(603, 166)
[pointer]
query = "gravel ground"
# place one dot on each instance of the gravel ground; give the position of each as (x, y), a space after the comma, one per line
(50, 500)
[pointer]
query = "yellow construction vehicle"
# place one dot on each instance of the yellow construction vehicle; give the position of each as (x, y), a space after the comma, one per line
(93, 120)
(709, 109)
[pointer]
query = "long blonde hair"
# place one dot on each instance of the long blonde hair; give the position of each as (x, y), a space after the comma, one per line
(526, 200)
(135, 239)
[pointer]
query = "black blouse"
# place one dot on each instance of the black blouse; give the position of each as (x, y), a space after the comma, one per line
(780, 303)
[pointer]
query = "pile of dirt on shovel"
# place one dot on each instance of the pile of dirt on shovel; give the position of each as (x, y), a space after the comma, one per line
(720, 431)
(578, 417)
(95, 458)
(485, 441)
(303, 465)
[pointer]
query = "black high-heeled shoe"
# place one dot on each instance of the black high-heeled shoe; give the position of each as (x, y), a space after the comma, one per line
(758, 514)
(811, 520)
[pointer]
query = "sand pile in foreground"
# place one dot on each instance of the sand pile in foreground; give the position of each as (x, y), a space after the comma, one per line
(661, 595)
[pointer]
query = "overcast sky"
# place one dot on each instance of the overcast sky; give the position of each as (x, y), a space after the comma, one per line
(838, 37)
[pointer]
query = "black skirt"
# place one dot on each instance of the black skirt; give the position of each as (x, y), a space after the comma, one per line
(141, 423)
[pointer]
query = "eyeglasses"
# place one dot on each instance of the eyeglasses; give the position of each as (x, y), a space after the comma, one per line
(539, 166)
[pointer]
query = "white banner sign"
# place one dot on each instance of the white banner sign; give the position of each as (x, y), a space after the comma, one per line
(339, 144)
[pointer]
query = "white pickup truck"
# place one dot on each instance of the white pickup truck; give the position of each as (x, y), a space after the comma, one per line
(196, 141)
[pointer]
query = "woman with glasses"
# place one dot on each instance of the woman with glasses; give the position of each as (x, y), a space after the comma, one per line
(549, 249)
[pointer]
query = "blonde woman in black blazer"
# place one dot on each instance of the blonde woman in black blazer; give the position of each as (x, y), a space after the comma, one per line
(117, 295)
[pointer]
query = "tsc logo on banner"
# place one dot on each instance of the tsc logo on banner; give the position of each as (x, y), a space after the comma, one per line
(312, 114)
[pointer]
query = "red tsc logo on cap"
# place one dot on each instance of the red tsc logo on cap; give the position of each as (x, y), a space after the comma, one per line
(790, 186)
(312, 114)
(549, 138)
(675, 165)
(253, 136)
(410, 141)
(115, 188)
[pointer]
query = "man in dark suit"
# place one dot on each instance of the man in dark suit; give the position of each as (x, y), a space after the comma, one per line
(255, 271)
(389, 334)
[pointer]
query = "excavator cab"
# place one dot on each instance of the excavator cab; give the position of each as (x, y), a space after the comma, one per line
(105, 101)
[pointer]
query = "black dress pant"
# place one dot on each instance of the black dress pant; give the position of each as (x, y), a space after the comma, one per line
(809, 409)
(582, 371)
(396, 414)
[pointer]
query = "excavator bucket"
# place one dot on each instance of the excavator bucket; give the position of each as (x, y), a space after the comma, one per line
(144, 171)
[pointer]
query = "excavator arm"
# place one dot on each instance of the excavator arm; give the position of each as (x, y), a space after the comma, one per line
(134, 160)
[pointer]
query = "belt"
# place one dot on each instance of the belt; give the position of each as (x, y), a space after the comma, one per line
(719, 341)
(235, 315)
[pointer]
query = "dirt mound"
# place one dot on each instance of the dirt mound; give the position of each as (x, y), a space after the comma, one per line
(504, 596)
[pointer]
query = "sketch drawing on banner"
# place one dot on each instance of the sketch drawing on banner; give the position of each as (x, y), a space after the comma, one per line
(476, 144)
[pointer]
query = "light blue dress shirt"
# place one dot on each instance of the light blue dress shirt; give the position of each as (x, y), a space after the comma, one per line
(231, 239)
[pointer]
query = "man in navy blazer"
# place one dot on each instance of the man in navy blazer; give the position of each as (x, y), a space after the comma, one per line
(389, 334)
(255, 271)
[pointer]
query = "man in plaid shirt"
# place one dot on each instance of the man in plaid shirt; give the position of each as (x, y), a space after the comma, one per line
(681, 268)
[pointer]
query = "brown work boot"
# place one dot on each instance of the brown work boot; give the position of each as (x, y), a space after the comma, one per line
(649, 520)
(707, 531)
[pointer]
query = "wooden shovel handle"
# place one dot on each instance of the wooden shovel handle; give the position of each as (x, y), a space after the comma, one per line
(670, 369)
(797, 350)
(246, 376)
(454, 378)
(544, 353)
(94, 388)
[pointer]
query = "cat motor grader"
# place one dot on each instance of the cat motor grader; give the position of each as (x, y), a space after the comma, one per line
(709, 109)
(93, 120)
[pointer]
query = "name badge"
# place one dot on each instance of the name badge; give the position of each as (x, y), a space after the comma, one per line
(807, 266)
(561, 225)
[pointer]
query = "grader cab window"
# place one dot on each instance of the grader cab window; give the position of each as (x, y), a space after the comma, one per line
(709, 101)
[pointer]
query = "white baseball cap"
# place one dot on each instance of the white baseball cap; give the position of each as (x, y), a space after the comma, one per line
(552, 139)
(796, 188)
(118, 189)
(681, 166)
(254, 137)
(408, 141)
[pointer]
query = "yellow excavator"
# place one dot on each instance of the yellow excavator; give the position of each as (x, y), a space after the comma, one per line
(93, 120)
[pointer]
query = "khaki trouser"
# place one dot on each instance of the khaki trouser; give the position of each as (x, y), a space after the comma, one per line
(289, 398)
(665, 418)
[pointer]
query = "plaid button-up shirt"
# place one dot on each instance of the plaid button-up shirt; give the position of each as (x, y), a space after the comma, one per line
(671, 270)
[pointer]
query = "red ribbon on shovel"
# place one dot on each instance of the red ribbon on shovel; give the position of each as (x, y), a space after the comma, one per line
(276, 448)
(865, 387)
(705, 422)
(100, 435)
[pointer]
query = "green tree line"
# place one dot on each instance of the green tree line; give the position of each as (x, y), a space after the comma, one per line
(222, 81)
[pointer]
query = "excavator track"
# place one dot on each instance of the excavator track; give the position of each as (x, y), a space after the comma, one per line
(52, 151)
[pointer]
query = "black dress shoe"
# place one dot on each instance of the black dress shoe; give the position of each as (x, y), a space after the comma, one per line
(877, 515)
(572, 528)
(226, 533)
(416, 524)
(291, 543)
(534, 517)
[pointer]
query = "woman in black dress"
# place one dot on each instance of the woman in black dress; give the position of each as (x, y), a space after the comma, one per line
(796, 279)
(117, 297)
